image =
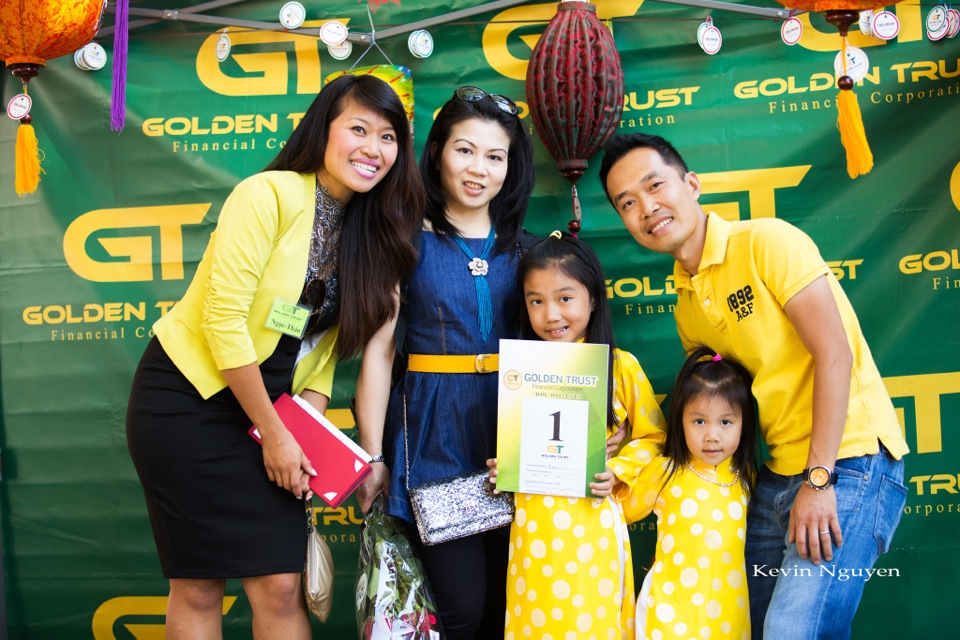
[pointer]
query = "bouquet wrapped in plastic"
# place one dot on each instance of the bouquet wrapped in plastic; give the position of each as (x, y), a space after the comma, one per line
(394, 600)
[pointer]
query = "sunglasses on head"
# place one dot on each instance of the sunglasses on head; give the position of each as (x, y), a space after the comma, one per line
(472, 94)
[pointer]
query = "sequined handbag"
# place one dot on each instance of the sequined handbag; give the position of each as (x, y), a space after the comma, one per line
(318, 573)
(455, 507)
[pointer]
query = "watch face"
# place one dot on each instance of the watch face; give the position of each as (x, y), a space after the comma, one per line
(819, 477)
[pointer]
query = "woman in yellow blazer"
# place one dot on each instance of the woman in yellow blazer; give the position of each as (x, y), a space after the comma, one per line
(302, 269)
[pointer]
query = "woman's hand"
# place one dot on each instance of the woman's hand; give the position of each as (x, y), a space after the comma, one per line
(492, 473)
(613, 442)
(604, 483)
(285, 463)
(373, 485)
(282, 457)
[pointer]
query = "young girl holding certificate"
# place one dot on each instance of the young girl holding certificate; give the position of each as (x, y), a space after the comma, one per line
(698, 488)
(570, 568)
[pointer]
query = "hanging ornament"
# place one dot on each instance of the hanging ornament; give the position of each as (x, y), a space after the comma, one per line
(709, 37)
(885, 25)
(32, 32)
(938, 25)
(842, 14)
(398, 77)
(90, 57)
(223, 46)
(865, 22)
(791, 31)
(575, 90)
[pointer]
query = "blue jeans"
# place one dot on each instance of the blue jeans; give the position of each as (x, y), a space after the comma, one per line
(793, 599)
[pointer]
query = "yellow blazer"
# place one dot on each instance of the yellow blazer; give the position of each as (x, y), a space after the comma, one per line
(256, 255)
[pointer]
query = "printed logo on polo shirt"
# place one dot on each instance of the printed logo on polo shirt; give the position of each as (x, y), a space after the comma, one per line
(740, 302)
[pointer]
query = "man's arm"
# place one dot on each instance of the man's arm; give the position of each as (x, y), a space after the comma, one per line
(815, 317)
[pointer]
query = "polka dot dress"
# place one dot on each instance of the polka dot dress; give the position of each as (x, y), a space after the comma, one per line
(570, 575)
(699, 584)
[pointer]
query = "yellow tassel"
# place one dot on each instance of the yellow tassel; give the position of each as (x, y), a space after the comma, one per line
(852, 135)
(850, 122)
(28, 160)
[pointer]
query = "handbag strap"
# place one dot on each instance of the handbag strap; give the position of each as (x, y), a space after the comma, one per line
(406, 448)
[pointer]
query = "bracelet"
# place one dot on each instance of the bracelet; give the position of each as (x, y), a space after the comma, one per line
(376, 458)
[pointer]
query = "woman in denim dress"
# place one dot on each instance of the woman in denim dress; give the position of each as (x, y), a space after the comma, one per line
(477, 166)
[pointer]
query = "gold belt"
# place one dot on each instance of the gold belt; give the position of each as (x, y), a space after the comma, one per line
(482, 363)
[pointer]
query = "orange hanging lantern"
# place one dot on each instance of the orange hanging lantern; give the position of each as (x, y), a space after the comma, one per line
(842, 14)
(32, 32)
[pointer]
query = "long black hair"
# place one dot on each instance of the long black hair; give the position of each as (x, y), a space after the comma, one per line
(376, 243)
(725, 378)
(573, 258)
(508, 207)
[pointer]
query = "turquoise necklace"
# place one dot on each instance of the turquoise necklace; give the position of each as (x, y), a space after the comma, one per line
(479, 267)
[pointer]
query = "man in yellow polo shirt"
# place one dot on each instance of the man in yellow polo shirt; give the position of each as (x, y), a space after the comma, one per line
(830, 498)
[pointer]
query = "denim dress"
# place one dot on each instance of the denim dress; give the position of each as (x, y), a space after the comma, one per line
(451, 418)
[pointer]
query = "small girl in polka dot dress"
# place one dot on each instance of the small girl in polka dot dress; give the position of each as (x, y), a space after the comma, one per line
(699, 490)
(570, 575)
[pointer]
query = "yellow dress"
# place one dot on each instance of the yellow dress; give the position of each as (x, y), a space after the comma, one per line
(570, 575)
(698, 585)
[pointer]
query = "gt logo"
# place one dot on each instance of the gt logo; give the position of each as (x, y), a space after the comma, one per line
(108, 613)
(137, 250)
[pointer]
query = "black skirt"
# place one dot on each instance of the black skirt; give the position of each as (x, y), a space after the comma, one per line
(214, 512)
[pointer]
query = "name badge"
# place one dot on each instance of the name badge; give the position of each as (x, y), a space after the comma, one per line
(289, 319)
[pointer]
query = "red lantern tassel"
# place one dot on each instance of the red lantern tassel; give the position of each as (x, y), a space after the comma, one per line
(574, 225)
(27, 159)
(850, 123)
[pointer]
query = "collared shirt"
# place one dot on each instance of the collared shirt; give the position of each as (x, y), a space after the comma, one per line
(735, 305)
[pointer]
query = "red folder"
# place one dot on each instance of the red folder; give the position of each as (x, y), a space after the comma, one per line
(341, 465)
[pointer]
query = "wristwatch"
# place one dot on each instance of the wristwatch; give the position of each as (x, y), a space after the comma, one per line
(819, 478)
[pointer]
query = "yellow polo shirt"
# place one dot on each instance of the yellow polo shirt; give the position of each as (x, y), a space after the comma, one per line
(734, 305)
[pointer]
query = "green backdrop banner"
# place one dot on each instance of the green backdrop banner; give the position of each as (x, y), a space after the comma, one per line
(112, 237)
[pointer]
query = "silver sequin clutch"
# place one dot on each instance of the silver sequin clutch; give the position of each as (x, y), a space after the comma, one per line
(460, 506)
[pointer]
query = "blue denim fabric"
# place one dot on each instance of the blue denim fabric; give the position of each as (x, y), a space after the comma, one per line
(809, 601)
(451, 417)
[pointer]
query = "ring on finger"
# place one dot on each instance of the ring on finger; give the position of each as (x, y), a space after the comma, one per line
(825, 533)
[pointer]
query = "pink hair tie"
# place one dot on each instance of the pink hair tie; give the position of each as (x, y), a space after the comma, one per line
(717, 358)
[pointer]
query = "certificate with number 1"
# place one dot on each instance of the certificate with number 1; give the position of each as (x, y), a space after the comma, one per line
(552, 416)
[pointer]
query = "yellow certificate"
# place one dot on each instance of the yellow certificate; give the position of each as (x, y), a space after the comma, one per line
(552, 416)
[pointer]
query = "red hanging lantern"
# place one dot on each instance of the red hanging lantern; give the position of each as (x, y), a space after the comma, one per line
(32, 32)
(575, 90)
(842, 14)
